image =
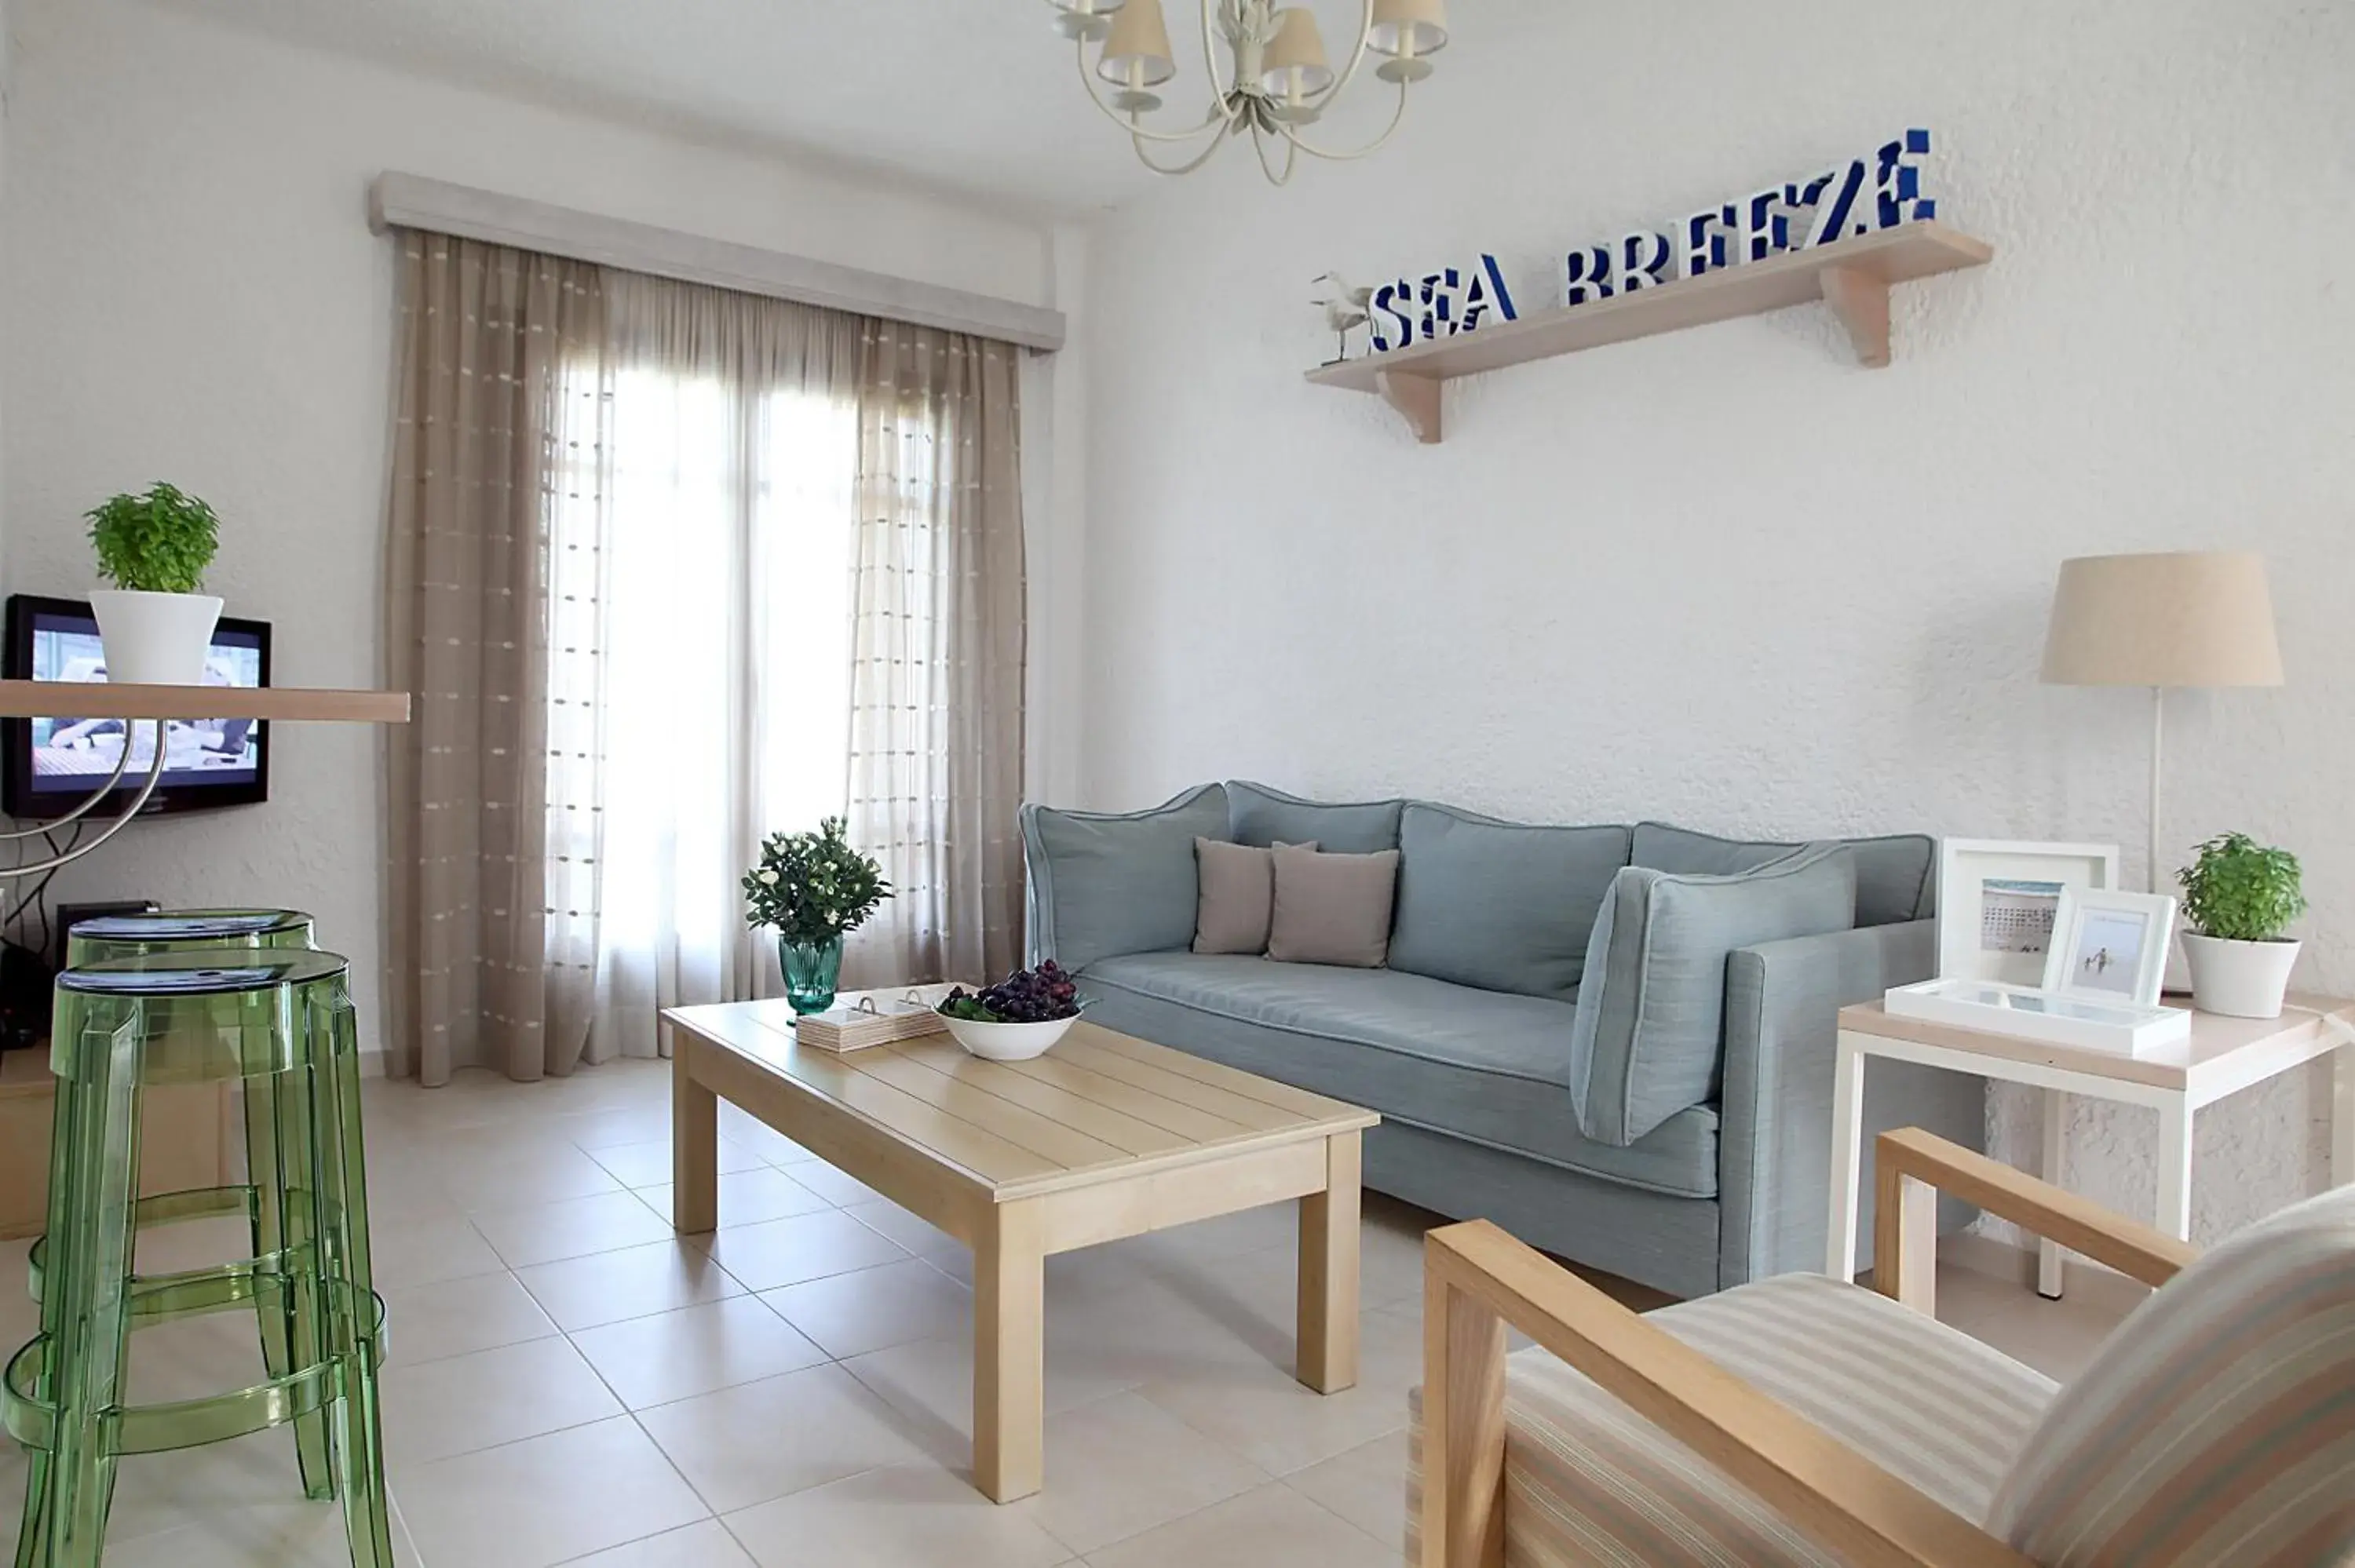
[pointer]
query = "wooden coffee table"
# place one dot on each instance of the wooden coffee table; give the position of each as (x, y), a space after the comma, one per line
(1104, 1137)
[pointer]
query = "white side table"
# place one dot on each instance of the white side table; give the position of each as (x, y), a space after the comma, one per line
(2223, 1056)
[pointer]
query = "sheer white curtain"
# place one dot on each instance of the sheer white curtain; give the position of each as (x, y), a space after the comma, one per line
(699, 684)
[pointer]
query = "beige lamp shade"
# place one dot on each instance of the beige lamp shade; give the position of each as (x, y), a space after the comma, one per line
(1138, 52)
(1294, 64)
(1408, 29)
(2184, 618)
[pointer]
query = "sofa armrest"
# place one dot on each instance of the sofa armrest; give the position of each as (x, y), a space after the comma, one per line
(1782, 1009)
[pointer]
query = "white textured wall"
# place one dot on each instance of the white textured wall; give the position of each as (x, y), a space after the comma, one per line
(1727, 577)
(193, 295)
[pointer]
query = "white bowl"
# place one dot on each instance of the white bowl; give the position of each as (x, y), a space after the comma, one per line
(1007, 1042)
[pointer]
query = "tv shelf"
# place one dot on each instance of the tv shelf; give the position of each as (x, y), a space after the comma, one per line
(1853, 276)
(34, 699)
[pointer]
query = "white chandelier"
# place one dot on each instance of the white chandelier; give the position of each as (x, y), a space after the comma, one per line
(1279, 79)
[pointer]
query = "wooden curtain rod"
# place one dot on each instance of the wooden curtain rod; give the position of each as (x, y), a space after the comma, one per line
(413, 201)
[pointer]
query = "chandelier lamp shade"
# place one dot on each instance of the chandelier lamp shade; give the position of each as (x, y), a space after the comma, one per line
(1269, 75)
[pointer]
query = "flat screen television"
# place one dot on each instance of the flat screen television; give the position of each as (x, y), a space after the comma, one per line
(53, 764)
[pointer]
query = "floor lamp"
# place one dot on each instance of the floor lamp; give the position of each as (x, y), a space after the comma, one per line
(2183, 619)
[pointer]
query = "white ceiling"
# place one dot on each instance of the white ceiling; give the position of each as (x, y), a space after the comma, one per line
(977, 96)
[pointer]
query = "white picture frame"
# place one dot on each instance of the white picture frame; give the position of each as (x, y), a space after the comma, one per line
(2110, 946)
(1999, 902)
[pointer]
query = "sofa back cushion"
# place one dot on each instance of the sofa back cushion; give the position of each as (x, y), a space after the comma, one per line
(1649, 1035)
(1893, 873)
(1104, 882)
(1262, 816)
(2216, 1425)
(1500, 905)
(1332, 908)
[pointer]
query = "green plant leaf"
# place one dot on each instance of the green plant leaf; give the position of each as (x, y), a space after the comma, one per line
(2240, 891)
(813, 887)
(160, 542)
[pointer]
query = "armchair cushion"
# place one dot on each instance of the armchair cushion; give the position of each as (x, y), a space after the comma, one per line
(1587, 1480)
(2217, 1425)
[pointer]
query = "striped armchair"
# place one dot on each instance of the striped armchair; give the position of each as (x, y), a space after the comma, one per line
(1801, 1422)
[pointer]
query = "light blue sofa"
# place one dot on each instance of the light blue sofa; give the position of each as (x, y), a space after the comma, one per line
(1615, 1041)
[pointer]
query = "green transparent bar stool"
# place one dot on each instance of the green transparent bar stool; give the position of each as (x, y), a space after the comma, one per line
(271, 1186)
(282, 1021)
(128, 936)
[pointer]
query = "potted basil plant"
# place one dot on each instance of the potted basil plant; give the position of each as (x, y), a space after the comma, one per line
(813, 889)
(155, 624)
(2239, 897)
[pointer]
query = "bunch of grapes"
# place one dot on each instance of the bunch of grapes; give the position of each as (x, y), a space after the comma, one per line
(1042, 995)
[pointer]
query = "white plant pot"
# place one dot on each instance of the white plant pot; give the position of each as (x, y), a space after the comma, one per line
(2240, 980)
(155, 638)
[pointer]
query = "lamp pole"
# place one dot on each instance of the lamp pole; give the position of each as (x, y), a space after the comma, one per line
(2158, 746)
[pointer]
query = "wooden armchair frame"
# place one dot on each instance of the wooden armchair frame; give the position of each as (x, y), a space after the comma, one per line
(1478, 1279)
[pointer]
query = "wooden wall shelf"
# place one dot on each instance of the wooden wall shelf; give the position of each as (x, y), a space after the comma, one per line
(1853, 276)
(34, 699)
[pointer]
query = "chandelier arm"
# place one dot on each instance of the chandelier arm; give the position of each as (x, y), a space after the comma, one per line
(1216, 117)
(1396, 115)
(1188, 166)
(1290, 156)
(1218, 94)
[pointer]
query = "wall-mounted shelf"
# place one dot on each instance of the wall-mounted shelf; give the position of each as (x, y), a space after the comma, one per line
(1853, 276)
(34, 699)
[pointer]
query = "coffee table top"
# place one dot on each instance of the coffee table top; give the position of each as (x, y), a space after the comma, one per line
(1098, 1106)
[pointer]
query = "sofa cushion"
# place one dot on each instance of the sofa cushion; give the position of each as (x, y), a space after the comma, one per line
(1501, 906)
(1105, 882)
(1651, 1014)
(1592, 1482)
(1332, 908)
(1259, 815)
(1477, 1064)
(1238, 896)
(2216, 1427)
(1894, 878)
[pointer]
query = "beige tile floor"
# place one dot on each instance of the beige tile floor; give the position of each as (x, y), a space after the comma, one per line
(570, 1383)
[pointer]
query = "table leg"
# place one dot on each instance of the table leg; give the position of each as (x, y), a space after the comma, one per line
(1009, 1402)
(2048, 1252)
(2342, 1121)
(1848, 1159)
(694, 1143)
(1327, 1323)
(2175, 1169)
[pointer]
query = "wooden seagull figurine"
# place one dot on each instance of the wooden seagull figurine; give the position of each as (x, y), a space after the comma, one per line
(1345, 307)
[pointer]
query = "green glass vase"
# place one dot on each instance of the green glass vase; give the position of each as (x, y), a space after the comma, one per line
(811, 970)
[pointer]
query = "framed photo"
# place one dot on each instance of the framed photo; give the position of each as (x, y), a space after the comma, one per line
(1999, 903)
(2110, 946)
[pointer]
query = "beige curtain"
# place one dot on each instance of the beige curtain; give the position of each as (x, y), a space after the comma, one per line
(671, 568)
(478, 461)
(713, 660)
(937, 722)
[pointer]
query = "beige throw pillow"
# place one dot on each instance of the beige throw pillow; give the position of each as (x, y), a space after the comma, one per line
(1332, 908)
(1237, 897)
